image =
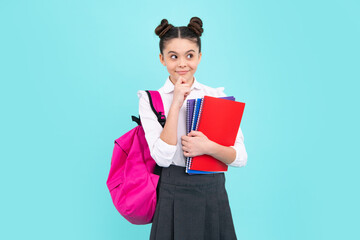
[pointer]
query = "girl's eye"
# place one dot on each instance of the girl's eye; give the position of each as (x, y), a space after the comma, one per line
(190, 55)
(173, 56)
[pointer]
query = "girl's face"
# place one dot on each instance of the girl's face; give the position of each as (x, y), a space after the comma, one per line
(181, 58)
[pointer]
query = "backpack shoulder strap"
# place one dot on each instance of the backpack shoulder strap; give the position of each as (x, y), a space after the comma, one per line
(157, 106)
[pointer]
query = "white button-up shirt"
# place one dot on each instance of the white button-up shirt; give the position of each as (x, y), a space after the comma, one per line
(165, 154)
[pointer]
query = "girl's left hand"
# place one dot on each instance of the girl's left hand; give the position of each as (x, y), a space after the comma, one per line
(195, 144)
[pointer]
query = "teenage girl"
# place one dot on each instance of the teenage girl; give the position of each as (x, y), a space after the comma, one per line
(193, 207)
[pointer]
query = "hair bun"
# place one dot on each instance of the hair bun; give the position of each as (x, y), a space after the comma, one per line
(196, 25)
(163, 27)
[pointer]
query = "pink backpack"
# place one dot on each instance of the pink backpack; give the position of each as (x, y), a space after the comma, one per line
(132, 182)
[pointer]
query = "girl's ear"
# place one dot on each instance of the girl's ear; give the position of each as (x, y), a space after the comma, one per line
(162, 60)
(200, 54)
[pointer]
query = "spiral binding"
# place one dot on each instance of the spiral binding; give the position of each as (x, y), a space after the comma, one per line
(195, 127)
(191, 126)
(188, 126)
(188, 117)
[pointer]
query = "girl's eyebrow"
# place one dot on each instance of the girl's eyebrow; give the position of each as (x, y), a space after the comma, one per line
(186, 52)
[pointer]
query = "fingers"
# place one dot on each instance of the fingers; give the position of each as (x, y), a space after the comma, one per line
(190, 134)
(185, 149)
(184, 143)
(181, 91)
(185, 146)
(185, 138)
(187, 154)
(181, 80)
(182, 86)
(195, 134)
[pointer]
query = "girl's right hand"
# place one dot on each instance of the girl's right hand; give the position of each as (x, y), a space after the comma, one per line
(181, 91)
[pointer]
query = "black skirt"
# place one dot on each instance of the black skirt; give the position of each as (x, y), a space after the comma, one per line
(192, 207)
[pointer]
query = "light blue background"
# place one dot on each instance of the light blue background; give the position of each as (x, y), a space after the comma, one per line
(70, 71)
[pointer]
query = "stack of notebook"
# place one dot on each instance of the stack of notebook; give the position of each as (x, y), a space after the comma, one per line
(219, 119)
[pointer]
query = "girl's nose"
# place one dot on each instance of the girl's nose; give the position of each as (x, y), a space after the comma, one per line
(182, 62)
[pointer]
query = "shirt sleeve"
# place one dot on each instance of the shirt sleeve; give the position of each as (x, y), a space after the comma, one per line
(241, 154)
(239, 146)
(160, 151)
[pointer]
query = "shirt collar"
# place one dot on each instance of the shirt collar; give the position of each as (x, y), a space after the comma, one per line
(169, 86)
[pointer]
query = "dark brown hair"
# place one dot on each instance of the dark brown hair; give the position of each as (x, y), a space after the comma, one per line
(192, 32)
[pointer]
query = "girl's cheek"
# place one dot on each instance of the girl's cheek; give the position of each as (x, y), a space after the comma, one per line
(193, 66)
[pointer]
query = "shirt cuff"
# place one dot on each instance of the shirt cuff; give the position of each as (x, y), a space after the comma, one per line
(163, 152)
(238, 162)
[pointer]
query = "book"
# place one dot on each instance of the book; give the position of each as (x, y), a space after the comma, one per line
(219, 120)
(193, 123)
(193, 113)
(190, 104)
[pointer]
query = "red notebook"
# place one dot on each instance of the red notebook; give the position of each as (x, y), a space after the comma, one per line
(219, 121)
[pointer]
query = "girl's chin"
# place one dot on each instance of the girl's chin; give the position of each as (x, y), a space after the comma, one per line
(188, 78)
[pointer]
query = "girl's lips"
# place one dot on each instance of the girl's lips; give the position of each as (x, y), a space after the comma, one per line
(182, 72)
